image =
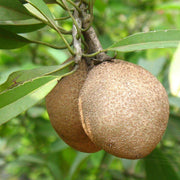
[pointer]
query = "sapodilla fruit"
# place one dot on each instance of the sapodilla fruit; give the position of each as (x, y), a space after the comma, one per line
(62, 107)
(124, 109)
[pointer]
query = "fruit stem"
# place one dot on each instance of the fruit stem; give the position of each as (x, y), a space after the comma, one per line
(76, 34)
(91, 38)
(59, 2)
(94, 54)
(72, 17)
(62, 18)
(71, 72)
(75, 5)
(53, 25)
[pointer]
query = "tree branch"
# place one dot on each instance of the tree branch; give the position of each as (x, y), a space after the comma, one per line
(91, 37)
(77, 36)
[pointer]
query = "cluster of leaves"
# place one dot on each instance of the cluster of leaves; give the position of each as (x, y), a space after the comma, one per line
(30, 149)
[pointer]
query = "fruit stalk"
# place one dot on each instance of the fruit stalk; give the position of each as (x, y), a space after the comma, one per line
(91, 38)
(77, 36)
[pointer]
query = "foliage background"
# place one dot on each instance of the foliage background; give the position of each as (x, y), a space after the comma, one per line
(30, 148)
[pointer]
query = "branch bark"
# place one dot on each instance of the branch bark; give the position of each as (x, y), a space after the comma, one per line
(91, 38)
(76, 38)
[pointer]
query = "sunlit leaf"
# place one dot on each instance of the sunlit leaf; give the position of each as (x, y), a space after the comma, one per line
(20, 98)
(168, 5)
(35, 111)
(19, 77)
(41, 6)
(148, 40)
(174, 73)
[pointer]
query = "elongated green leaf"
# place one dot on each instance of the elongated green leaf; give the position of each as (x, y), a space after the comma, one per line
(155, 67)
(19, 77)
(174, 101)
(50, 1)
(23, 1)
(169, 5)
(174, 73)
(149, 40)
(55, 170)
(58, 145)
(31, 159)
(22, 26)
(46, 1)
(173, 128)
(104, 164)
(20, 98)
(159, 167)
(41, 6)
(78, 160)
(13, 10)
(9, 40)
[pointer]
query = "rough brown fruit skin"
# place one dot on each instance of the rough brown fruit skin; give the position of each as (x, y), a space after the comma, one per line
(62, 107)
(124, 109)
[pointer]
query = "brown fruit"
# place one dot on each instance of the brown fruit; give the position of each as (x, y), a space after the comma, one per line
(62, 107)
(124, 109)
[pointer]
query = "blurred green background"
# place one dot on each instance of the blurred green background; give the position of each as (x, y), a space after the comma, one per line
(31, 149)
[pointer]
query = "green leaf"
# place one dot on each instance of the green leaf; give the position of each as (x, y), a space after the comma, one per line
(13, 10)
(19, 77)
(31, 159)
(104, 164)
(148, 40)
(155, 66)
(20, 98)
(46, 1)
(169, 5)
(174, 73)
(50, 1)
(58, 145)
(78, 160)
(157, 167)
(174, 101)
(22, 26)
(41, 6)
(55, 170)
(9, 40)
(173, 128)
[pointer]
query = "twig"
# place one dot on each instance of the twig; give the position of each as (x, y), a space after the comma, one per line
(75, 5)
(72, 17)
(61, 4)
(51, 23)
(62, 18)
(77, 36)
(91, 37)
(49, 45)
